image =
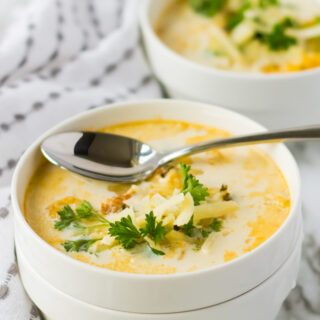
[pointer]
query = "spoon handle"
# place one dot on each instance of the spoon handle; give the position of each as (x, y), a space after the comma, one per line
(294, 134)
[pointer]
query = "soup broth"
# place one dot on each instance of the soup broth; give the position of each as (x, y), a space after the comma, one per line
(202, 211)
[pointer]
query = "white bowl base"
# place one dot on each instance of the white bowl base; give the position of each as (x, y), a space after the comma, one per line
(262, 302)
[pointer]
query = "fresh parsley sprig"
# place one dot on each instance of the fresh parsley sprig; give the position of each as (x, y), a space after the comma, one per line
(153, 228)
(129, 235)
(79, 245)
(192, 185)
(67, 217)
(126, 232)
(70, 217)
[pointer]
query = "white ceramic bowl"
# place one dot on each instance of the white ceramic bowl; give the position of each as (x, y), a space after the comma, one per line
(240, 91)
(262, 302)
(157, 293)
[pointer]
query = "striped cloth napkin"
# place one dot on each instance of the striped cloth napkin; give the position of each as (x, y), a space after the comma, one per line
(57, 59)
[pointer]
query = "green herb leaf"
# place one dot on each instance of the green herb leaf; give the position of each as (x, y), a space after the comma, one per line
(157, 252)
(85, 210)
(153, 228)
(129, 236)
(79, 245)
(192, 185)
(67, 216)
(216, 225)
(126, 232)
(205, 233)
(266, 3)
(277, 40)
(207, 8)
(190, 230)
(237, 17)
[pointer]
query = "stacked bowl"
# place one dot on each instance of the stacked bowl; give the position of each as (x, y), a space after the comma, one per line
(250, 287)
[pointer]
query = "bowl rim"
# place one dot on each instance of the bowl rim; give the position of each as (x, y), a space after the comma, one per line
(146, 26)
(18, 212)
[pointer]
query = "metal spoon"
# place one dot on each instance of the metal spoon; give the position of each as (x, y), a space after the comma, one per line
(110, 157)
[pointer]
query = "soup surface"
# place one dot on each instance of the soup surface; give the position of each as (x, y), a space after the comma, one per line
(205, 210)
(244, 35)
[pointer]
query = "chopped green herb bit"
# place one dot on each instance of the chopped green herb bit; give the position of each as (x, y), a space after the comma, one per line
(266, 3)
(277, 40)
(224, 187)
(83, 211)
(237, 17)
(227, 197)
(157, 252)
(207, 8)
(192, 185)
(216, 225)
(154, 229)
(126, 232)
(190, 230)
(67, 217)
(79, 245)
(129, 236)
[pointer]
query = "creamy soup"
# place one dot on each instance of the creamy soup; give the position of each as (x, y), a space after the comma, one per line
(204, 210)
(244, 35)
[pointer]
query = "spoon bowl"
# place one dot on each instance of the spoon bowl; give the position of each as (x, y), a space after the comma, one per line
(102, 156)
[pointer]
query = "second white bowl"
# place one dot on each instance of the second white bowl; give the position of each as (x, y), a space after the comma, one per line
(186, 79)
